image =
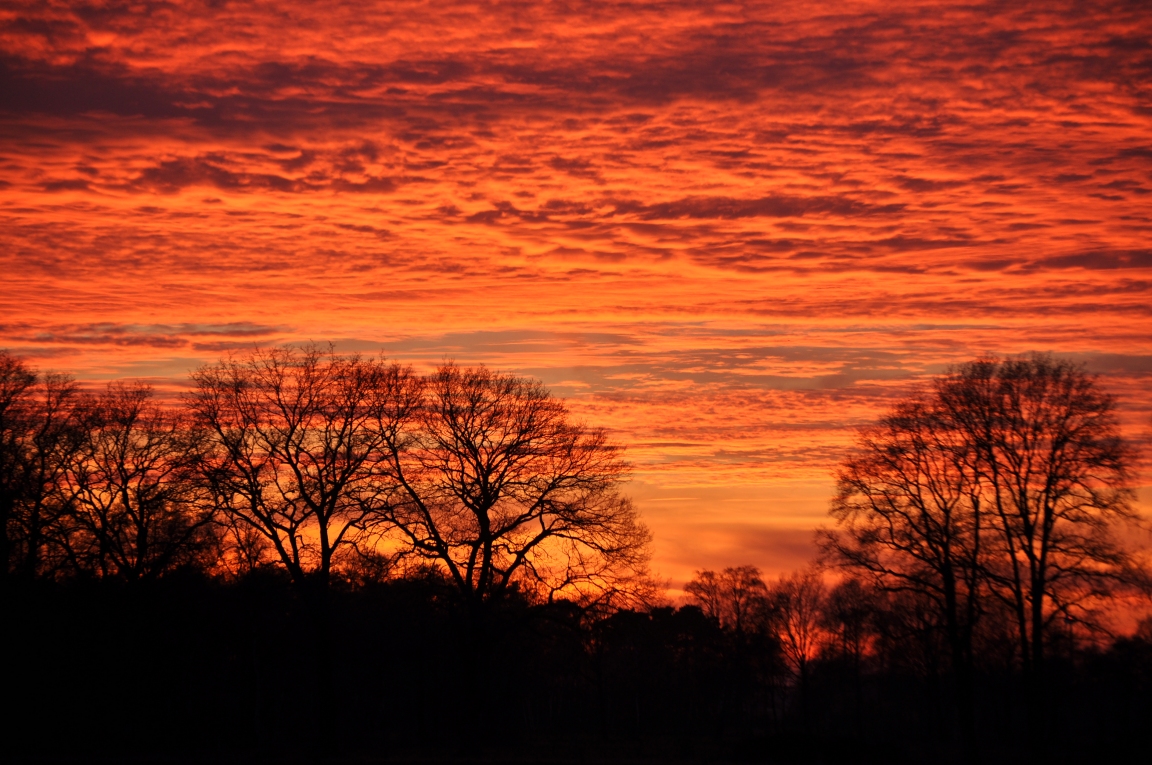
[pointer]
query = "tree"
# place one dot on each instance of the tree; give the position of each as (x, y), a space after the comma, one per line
(736, 597)
(135, 506)
(16, 382)
(797, 616)
(1008, 479)
(908, 507)
(848, 619)
(797, 602)
(737, 601)
(1055, 477)
(37, 435)
(849, 610)
(296, 445)
(502, 489)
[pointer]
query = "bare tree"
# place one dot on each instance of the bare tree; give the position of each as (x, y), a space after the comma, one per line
(849, 622)
(908, 507)
(797, 601)
(16, 382)
(797, 618)
(502, 489)
(1055, 482)
(37, 435)
(1007, 479)
(136, 509)
(297, 439)
(736, 597)
(847, 619)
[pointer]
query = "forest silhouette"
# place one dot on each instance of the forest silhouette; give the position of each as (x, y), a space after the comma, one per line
(321, 557)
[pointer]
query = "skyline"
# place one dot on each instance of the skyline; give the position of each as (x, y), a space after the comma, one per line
(729, 235)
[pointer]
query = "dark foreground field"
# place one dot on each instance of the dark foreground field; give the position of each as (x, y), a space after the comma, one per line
(191, 669)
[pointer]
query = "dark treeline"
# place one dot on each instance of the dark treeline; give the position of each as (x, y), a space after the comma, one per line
(316, 557)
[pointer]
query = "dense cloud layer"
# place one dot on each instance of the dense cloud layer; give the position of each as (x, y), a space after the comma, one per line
(731, 233)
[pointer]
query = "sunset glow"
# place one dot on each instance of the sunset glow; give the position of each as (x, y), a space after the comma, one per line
(730, 234)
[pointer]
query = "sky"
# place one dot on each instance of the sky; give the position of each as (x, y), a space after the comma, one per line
(731, 234)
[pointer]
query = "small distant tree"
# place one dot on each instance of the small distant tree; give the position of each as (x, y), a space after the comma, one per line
(135, 506)
(736, 598)
(797, 602)
(738, 602)
(849, 611)
(849, 622)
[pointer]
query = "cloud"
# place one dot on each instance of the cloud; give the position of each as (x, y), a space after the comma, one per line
(175, 175)
(152, 336)
(1099, 260)
(774, 206)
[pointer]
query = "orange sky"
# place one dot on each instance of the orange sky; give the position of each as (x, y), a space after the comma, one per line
(729, 233)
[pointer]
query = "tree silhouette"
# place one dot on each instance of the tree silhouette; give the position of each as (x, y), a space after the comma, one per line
(797, 602)
(131, 488)
(738, 602)
(296, 439)
(1007, 479)
(1055, 479)
(908, 506)
(848, 618)
(736, 598)
(16, 381)
(38, 433)
(502, 489)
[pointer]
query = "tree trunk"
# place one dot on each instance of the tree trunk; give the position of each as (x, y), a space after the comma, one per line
(318, 603)
(7, 511)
